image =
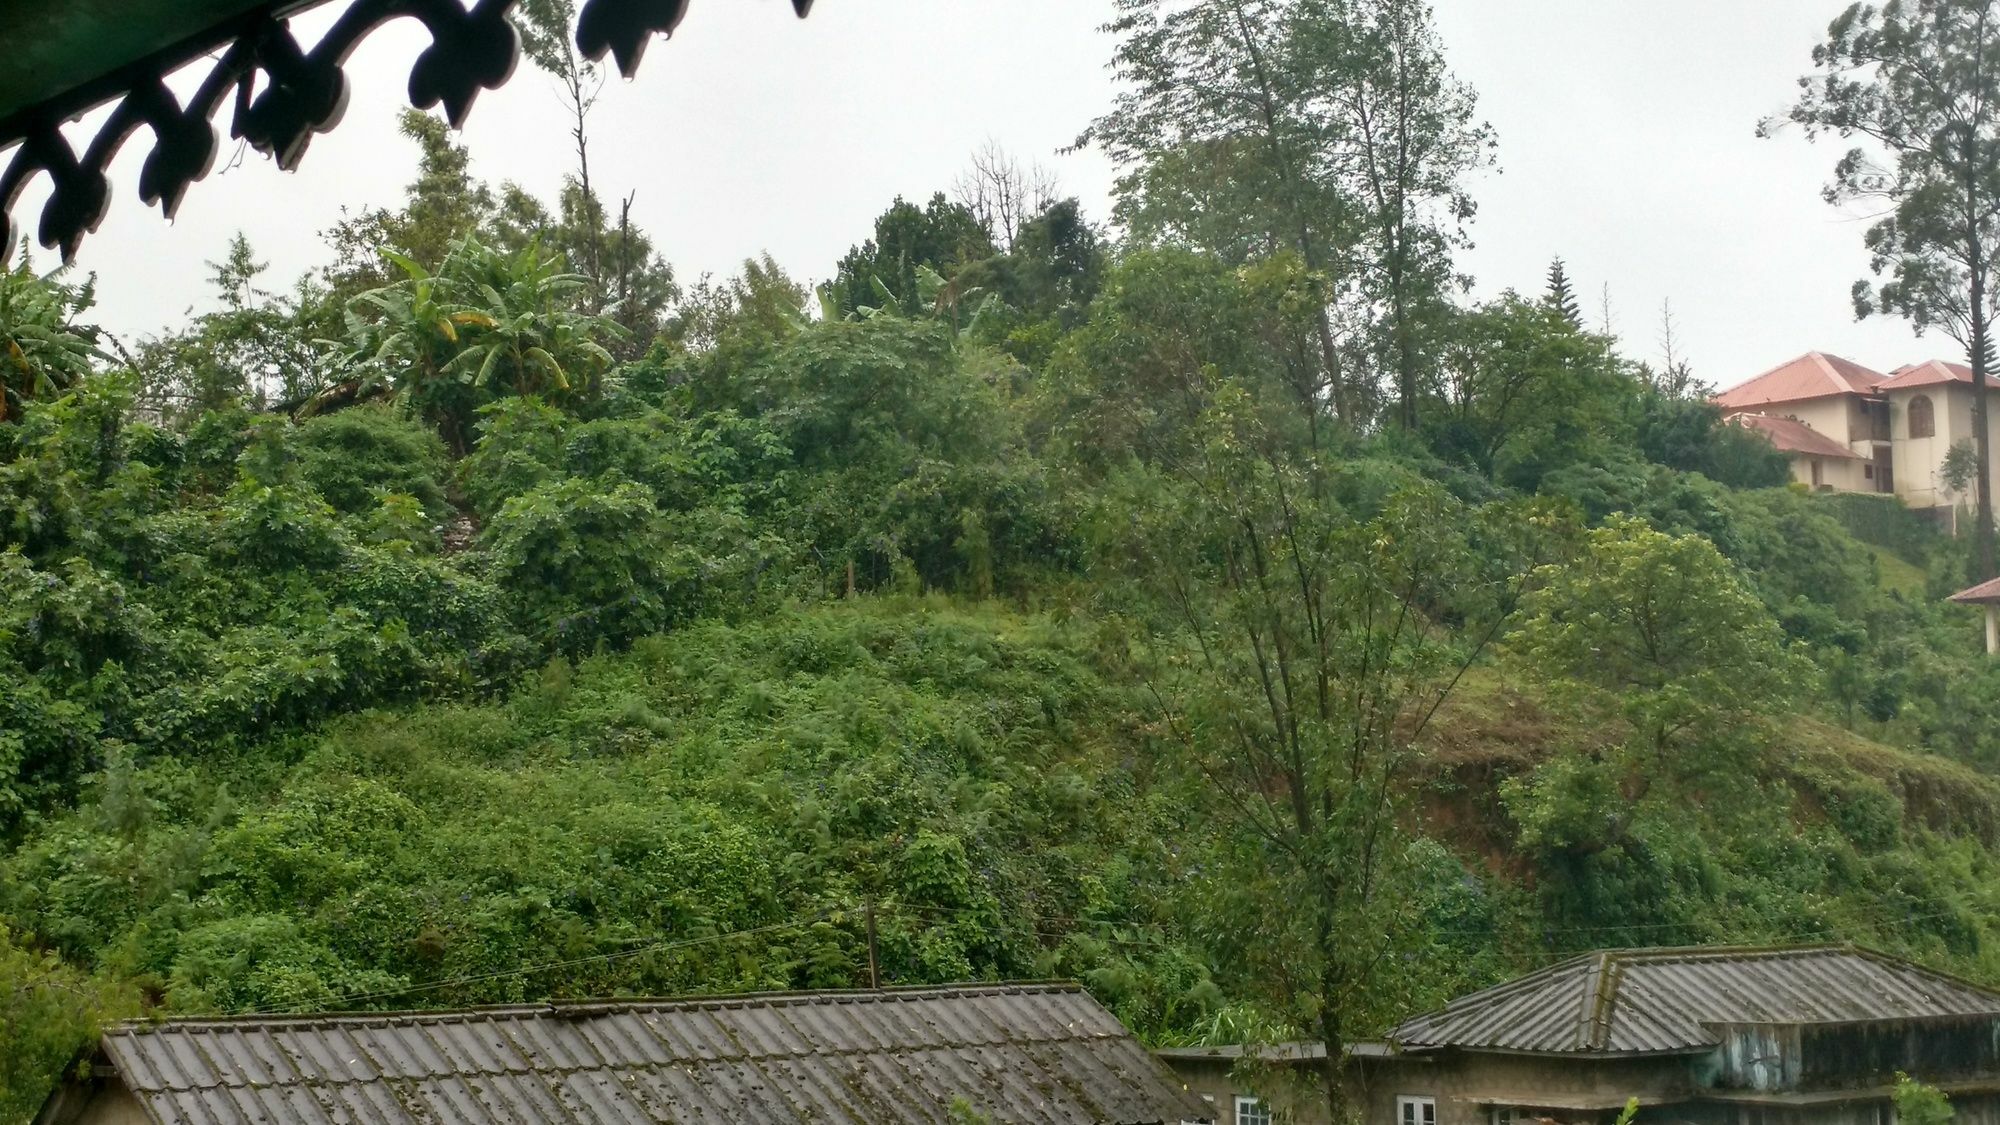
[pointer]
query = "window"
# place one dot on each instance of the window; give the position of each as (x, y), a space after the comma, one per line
(1251, 1111)
(1503, 1115)
(1867, 472)
(1416, 1111)
(1210, 1119)
(1818, 474)
(1923, 417)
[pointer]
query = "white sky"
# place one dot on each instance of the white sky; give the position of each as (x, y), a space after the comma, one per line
(1626, 134)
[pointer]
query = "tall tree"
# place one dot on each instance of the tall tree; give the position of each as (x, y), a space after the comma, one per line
(1415, 140)
(1296, 650)
(1561, 297)
(441, 206)
(546, 40)
(630, 282)
(1326, 128)
(268, 348)
(940, 236)
(1917, 83)
(1003, 194)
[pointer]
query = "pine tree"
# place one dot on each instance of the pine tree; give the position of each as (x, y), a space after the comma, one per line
(1560, 296)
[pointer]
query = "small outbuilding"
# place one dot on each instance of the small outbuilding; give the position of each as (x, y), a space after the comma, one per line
(1985, 594)
(1000, 1053)
(1811, 1035)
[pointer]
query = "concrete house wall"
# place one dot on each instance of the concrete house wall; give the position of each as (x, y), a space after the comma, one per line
(1764, 1074)
(1833, 416)
(1919, 461)
(1466, 1087)
(1835, 473)
(1847, 421)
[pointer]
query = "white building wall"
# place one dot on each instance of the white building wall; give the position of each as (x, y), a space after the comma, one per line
(1832, 416)
(1918, 461)
(1836, 474)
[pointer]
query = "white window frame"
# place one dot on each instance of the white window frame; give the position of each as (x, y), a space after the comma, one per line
(1421, 1103)
(1254, 1105)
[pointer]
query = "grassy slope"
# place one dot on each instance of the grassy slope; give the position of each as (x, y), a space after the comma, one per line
(1809, 833)
(985, 776)
(965, 768)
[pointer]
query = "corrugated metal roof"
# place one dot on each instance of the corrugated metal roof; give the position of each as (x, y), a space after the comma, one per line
(1812, 375)
(1015, 1053)
(1788, 435)
(1663, 1000)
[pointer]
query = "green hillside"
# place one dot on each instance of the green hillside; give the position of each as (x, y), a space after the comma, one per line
(718, 808)
(1209, 600)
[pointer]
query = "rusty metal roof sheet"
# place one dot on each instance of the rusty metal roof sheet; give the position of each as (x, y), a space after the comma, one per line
(1669, 1000)
(1812, 375)
(1789, 435)
(1015, 1053)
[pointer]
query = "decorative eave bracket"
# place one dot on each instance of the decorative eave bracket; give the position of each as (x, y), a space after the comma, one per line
(282, 94)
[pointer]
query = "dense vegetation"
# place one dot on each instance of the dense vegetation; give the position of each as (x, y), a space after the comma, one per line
(492, 618)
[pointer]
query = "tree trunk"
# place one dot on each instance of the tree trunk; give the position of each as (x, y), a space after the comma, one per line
(1267, 108)
(1982, 437)
(580, 102)
(1332, 1026)
(1981, 334)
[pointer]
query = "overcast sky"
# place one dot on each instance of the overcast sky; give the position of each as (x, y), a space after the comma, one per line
(1626, 128)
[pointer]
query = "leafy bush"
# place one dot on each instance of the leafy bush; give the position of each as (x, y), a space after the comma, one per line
(353, 457)
(584, 564)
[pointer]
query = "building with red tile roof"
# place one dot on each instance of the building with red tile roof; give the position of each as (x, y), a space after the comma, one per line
(1849, 428)
(1814, 375)
(1827, 415)
(1930, 373)
(1795, 437)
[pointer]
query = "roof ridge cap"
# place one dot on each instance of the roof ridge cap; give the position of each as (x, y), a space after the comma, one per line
(1724, 952)
(1600, 995)
(1535, 979)
(558, 1008)
(1772, 370)
(1905, 963)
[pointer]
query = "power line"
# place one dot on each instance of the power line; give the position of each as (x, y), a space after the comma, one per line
(1888, 920)
(527, 970)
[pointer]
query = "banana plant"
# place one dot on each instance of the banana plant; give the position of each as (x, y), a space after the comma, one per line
(485, 325)
(532, 339)
(42, 352)
(933, 293)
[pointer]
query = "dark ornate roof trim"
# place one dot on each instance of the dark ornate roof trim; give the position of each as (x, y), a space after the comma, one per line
(282, 95)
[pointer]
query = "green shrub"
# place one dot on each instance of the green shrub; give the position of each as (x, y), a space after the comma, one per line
(353, 457)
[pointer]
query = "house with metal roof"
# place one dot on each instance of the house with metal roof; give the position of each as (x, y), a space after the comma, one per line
(1000, 1053)
(1708, 1036)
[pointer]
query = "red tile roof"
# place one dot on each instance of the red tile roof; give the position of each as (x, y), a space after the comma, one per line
(1791, 436)
(1982, 594)
(1812, 375)
(1928, 373)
